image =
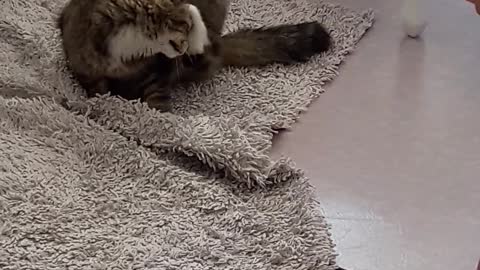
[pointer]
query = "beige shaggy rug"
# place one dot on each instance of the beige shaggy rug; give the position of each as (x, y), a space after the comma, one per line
(111, 184)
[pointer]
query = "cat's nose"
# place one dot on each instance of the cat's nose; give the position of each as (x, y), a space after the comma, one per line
(179, 46)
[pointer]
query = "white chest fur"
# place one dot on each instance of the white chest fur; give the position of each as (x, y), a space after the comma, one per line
(130, 42)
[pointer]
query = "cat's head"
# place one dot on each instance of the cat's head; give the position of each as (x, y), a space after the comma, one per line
(152, 26)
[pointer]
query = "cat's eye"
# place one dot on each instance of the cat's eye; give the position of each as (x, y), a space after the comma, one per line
(181, 26)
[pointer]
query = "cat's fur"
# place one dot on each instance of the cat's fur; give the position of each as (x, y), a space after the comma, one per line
(140, 48)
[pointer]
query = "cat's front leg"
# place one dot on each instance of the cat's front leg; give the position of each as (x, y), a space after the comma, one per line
(198, 36)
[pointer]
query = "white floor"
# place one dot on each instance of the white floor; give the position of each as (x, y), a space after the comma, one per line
(393, 147)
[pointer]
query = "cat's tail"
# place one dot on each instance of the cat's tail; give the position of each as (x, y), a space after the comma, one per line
(287, 44)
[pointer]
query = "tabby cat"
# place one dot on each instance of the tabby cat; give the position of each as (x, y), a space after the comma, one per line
(141, 48)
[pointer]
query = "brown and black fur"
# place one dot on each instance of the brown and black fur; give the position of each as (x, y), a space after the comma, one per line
(87, 25)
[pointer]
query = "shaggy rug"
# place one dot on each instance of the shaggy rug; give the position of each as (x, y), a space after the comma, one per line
(110, 184)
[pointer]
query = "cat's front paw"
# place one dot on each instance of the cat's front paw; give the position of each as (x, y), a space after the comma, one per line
(198, 36)
(160, 101)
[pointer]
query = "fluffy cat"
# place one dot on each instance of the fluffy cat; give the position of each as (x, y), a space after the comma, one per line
(140, 48)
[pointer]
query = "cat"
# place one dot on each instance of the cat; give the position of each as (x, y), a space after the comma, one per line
(140, 49)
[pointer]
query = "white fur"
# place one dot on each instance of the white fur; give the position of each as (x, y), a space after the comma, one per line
(414, 22)
(198, 36)
(131, 42)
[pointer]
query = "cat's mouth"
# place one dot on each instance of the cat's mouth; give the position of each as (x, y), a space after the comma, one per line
(178, 47)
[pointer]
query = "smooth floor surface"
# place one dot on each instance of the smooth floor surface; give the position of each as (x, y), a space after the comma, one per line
(393, 146)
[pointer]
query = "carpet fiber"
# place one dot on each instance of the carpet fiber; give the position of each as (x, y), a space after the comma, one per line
(110, 184)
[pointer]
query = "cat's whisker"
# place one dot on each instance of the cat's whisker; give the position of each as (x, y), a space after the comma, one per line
(176, 65)
(189, 58)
